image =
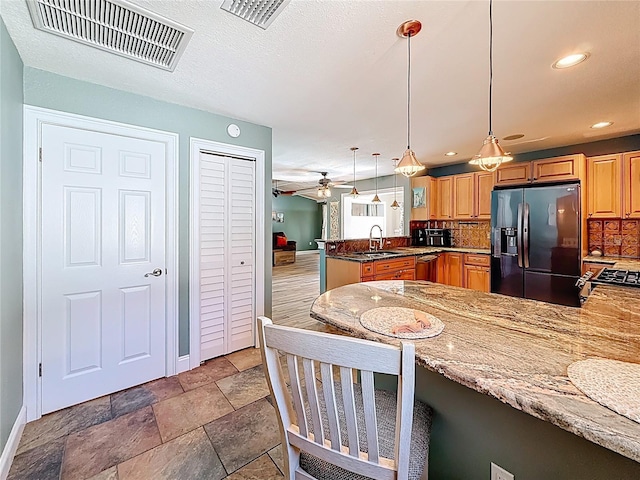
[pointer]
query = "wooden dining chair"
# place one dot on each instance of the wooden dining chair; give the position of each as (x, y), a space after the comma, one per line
(338, 429)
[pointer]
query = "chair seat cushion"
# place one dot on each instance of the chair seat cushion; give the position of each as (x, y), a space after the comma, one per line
(386, 416)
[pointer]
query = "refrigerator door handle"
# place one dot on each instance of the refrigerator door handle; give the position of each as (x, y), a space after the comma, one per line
(519, 235)
(525, 235)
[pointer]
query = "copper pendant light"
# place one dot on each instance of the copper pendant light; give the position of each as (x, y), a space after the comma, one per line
(376, 198)
(491, 155)
(409, 165)
(354, 191)
(395, 205)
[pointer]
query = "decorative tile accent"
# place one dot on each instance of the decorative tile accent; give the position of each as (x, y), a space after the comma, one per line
(630, 226)
(612, 250)
(595, 226)
(612, 226)
(97, 448)
(334, 220)
(630, 251)
(244, 434)
(629, 239)
(189, 456)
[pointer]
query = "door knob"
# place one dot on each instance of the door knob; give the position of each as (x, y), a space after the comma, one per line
(156, 273)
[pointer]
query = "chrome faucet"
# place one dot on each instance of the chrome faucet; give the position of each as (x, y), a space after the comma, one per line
(380, 241)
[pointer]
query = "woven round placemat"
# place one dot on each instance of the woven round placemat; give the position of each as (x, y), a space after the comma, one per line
(611, 383)
(384, 319)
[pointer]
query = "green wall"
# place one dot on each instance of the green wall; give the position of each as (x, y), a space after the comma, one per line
(302, 220)
(48, 90)
(590, 149)
(11, 70)
(470, 430)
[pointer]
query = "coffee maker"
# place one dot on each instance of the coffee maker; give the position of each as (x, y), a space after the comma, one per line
(419, 237)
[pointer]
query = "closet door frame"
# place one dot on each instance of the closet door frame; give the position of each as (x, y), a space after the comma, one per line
(197, 146)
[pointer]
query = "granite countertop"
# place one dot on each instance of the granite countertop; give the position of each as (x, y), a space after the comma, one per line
(399, 252)
(515, 350)
(620, 263)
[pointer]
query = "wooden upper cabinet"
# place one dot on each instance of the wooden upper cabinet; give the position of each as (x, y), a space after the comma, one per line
(604, 186)
(482, 200)
(445, 202)
(463, 196)
(513, 174)
(569, 167)
(631, 184)
(429, 210)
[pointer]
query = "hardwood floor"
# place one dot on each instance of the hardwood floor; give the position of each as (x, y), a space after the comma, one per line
(295, 287)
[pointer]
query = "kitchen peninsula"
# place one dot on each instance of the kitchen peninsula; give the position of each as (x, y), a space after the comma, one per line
(498, 352)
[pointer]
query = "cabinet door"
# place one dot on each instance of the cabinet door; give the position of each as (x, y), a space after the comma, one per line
(454, 269)
(463, 196)
(445, 191)
(631, 184)
(432, 190)
(477, 278)
(441, 268)
(604, 188)
(422, 191)
(556, 169)
(483, 189)
(513, 174)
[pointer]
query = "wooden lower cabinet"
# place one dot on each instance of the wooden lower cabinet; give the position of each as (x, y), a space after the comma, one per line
(477, 278)
(344, 272)
(454, 263)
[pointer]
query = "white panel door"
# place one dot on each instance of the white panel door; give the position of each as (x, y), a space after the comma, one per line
(227, 254)
(103, 230)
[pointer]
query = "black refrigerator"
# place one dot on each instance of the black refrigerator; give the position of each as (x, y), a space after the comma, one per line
(535, 243)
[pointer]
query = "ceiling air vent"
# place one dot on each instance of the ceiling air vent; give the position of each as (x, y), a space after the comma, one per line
(116, 26)
(259, 12)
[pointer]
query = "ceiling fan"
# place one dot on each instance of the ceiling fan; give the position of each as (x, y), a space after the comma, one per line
(276, 192)
(324, 187)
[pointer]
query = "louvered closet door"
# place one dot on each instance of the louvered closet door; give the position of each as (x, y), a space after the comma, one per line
(227, 275)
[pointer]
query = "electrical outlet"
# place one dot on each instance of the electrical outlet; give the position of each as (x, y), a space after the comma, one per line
(499, 473)
(309, 243)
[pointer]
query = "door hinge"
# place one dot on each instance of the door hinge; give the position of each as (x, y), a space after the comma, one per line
(39, 369)
(40, 154)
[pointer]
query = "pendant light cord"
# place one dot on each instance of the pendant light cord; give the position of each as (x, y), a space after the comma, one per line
(408, 89)
(490, 62)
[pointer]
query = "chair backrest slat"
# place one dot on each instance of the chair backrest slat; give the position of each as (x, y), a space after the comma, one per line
(312, 398)
(349, 402)
(370, 421)
(296, 393)
(326, 372)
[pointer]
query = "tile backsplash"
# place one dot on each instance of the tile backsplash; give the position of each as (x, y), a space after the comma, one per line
(467, 234)
(614, 237)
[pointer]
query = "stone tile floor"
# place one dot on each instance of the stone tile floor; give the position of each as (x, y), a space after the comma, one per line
(214, 422)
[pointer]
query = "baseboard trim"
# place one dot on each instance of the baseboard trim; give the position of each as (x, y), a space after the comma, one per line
(306, 252)
(10, 449)
(183, 364)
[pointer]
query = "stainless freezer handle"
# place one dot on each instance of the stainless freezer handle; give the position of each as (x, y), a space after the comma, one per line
(525, 235)
(519, 235)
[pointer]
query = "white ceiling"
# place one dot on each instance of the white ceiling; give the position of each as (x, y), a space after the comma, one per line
(328, 75)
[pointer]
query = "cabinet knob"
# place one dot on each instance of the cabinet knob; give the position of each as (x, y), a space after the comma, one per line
(627, 215)
(591, 215)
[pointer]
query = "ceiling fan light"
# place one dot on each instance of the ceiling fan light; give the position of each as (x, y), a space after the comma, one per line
(409, 165)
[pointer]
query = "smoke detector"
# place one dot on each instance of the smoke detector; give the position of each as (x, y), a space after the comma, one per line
(115, 26)
(259, 12)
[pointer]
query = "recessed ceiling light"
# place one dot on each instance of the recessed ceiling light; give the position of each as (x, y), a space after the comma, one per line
(601, 124)
(451, 154)
(571, 60)
(515, 136)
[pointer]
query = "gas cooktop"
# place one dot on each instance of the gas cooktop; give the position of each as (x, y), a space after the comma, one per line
(610, 276)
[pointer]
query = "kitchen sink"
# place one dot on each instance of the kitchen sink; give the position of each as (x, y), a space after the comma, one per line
(375, 254)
